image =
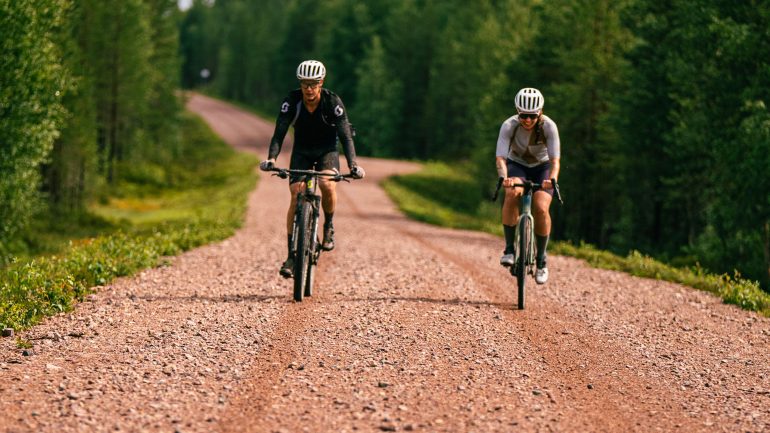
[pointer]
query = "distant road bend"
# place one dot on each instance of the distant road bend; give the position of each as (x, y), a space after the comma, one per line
(411, 328)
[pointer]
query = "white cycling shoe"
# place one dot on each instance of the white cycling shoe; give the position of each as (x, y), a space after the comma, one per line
(507, 259)
(541, 275)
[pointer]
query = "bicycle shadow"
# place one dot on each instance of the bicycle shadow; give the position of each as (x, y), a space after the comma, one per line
(423, 299)
(223, 298)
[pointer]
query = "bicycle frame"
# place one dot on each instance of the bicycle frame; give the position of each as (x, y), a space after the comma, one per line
(525, 222)
(524, 241)
(308, 196)
(305, 247)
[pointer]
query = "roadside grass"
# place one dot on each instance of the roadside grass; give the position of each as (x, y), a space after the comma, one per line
(202, 201)
(447, 197)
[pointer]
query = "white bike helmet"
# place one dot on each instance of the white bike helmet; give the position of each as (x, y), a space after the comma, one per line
(311, 70)
(529, 100)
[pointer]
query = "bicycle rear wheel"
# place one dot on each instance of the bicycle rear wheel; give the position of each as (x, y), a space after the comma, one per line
(525, 241)
(302, 258)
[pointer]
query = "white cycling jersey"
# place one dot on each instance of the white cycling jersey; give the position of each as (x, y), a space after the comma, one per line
(520, 150)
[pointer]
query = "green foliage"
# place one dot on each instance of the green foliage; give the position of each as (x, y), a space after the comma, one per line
(90, 87)
(32, 82)
(702, 81)
(70, 174)
(442, 195)
(210, 207)
(129, 50)
(377, 119)
(162, 121)
(199, 45)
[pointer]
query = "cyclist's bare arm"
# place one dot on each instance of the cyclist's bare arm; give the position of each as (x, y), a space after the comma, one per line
(555, 168)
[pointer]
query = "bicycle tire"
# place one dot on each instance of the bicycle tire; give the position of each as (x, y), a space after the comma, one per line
(311, 268)
(525, 242)
(302, 256)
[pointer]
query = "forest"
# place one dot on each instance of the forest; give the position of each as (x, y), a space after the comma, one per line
(88, 99)
(661, 107)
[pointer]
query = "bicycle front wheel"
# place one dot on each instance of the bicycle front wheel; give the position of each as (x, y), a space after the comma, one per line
(302, 258)
(525, 242)
(311, 268)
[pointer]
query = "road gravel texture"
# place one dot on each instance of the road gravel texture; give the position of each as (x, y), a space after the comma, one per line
(411, 328)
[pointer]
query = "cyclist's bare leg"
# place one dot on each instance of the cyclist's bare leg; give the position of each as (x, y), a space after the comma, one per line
(541, 202)
(510, 216)
(295, 188)
(511, 204)
(329, 203)
(328, 194)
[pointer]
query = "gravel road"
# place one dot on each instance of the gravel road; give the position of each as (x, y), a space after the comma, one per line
(411, 328)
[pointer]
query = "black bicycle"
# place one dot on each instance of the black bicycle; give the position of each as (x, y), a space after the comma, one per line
(305, 246)
(524, 244)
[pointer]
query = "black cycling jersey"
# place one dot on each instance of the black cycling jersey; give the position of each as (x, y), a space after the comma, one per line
(314, 133)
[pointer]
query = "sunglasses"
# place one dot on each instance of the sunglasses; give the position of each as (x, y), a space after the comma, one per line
(310, 84)
(530, 116)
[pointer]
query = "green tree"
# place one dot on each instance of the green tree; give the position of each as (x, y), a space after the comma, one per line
(299, 41)
(251, 36)
(71, 177)
(728, 120)
(377, 95)
(498, 75)
(342, 44)
(31, 83)
(115, 39)
(199, 34)
(162, 120)
(409, 39)
(468, 57)
(576, 60)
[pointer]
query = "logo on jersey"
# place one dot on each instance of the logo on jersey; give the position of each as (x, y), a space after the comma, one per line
(338, 111)
(284, 107)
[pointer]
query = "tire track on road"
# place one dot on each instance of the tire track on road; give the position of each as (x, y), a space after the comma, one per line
(601, 388)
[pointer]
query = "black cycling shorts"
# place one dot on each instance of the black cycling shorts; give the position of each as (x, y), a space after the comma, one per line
(536, 174)
(325, 161)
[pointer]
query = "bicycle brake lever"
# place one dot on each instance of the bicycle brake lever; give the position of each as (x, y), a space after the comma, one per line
(497, 189)
(282, 174)
(556, 191)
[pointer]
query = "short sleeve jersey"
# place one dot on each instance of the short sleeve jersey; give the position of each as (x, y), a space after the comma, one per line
(515, 143)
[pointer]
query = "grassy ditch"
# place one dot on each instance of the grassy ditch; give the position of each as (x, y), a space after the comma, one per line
(440, 196)
(203, 200)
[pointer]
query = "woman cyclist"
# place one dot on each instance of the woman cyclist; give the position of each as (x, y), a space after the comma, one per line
(528, 148)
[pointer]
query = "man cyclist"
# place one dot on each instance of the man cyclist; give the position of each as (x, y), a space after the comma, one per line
(319, 118)
(528, 148)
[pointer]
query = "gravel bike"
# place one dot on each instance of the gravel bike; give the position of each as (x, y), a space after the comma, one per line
(524, 243)
(305, 245)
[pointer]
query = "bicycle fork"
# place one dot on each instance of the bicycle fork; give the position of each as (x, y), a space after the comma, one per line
(524, 213)
(295, 225)
(315, 201)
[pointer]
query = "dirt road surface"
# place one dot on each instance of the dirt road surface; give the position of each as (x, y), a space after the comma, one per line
(411, 328)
